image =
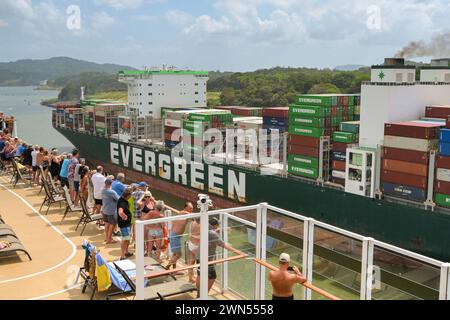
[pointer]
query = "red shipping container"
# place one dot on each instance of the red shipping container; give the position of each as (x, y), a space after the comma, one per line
(304, 141)
(244, 111)
(447, 123)
(338, 181)
(340, 146)
(406, 155)
(339, 165)
(443, 162)
(406, 167)
(304, 151)
(411, 129)
(170, 129)
(404, 178)
(442, 187)
(437, 112)
(276, 112)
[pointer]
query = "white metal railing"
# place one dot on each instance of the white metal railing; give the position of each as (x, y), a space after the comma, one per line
(367, 255)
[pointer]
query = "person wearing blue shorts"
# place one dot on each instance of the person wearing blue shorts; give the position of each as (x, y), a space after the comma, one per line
(177, 232)
(124, 221)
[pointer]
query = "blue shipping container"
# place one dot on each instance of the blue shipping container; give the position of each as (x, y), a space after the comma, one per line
(279, 122)
(270, 128)
(406, 192)
(444, 149)
(339, 156)
(445, 135)
(171, 144)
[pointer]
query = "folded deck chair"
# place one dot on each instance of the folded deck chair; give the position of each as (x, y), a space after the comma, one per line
(7, 232)
(165, 289)
(13, 248)
(70, 205)
(50, 198)
(87, 217)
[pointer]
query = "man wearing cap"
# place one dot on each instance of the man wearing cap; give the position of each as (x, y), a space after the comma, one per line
(283, 281)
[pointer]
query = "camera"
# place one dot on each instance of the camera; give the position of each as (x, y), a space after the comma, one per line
(204, 202)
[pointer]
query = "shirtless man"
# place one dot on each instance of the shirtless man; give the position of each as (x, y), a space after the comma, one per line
(283, 281)
(177, 232)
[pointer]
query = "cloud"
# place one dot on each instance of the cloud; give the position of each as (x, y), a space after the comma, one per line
(145, 17)
(178, 17)
(17, 8)
(3, 23)
(126, 4)
(102, 20)
(296, 21)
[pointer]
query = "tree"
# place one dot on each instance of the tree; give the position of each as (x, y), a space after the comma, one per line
(322, 88)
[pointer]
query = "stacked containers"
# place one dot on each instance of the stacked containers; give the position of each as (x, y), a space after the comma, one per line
(406, 158)
(106, 117)
(88, 118)
(343, 139)
(276, 118)
(442, 185)
(247, 112)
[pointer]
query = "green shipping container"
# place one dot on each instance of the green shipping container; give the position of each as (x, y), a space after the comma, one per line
(303, 161)
(306, 131)
(310, 173)
(442, 200)
(351, 100)
(344, 137)
(309, 111)
(317, 100)
(350, 126)
(306, 121)
(100, 130)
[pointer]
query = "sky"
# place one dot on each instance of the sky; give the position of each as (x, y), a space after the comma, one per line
(226, 35)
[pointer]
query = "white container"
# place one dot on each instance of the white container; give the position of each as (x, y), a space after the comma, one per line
(443, 175)
(249, 124)
(173, 123)
(410, 143)
(338, 174)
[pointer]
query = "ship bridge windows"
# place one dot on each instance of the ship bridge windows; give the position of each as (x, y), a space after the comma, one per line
(411, 77)
(447, 77)
(399, 77)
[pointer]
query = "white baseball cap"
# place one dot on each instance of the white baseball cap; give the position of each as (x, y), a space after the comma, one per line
(285, 258)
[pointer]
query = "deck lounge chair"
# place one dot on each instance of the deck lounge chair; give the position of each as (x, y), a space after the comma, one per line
(70, 205)
(19, 176)
(50, 198)
(8, 231)
(87, 217)
(14, 248)
(162, 290)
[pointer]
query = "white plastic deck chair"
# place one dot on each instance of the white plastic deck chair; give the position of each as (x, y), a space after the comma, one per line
(70, 205)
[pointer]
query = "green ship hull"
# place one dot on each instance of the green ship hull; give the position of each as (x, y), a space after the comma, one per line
(400, 224)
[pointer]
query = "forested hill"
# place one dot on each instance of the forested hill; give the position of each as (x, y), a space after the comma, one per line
(278, 86)
(32, 72)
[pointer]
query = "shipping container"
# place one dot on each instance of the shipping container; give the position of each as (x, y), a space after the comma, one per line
(271, 128)
(443, 174)
(351, 126)
(249, 124)
(303, 161)
(305, 172)
(173, 123)
(437, 112)
(442, 200)
(341, 147)
(339, 165)
(443, 162)
(410, 143)
(444, 135)
(442, 187)
(406, 155)
(338, 181)
(404, 179)
(281, 122)
(318, 100)
(344, 137)
(246, 111)
(338, 174)
(309, 111)
(310, 122)
(444, 149)
(304, 141)
(405, 192)
(406, 167)
(412, 129)
(307, 131)
(304, 151)
(276, 112)
(338, 156)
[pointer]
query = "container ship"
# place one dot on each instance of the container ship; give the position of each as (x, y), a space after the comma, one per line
(376, 163)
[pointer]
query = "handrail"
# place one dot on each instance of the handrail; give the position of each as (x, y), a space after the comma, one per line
(306, 284)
